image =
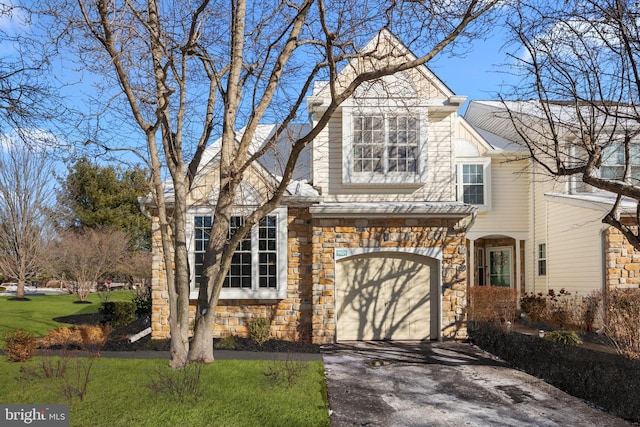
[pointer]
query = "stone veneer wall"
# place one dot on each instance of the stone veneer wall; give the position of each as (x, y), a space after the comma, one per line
(622, 261)
(290, 317)
(329, 234)
(308, 313)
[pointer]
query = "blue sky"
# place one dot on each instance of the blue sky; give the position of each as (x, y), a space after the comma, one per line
(481, 73)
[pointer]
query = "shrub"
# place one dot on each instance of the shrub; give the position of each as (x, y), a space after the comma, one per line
(535, 305)
(493, 304)
(62, 337)
(67, 373)
(88, 337)
(19, 346)
(93, 336)
(286, 372)
(564, 336)
(142, 300)
(260, 330)
(118, 313)
(622, 321)
(560, 310)
(226, 343)
(183, 385)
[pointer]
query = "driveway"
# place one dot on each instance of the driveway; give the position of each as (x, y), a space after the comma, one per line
(443, 384)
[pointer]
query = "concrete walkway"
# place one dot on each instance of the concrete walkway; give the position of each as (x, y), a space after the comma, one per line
(443, 384)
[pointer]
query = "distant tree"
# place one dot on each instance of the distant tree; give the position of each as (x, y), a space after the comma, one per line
(25, 196)
(96, 196)
(82, 258)
(27, 100)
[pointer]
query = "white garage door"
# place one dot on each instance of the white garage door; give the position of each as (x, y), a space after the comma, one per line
(385, 295)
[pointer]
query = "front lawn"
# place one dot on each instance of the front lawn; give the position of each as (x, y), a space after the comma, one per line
(233, 393)
(36, 316)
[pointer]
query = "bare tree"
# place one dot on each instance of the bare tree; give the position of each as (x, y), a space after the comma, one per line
(188, 71)
(581, 73)
(82, 258)
(25, 197)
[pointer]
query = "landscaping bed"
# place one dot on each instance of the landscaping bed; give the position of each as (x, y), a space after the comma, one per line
(609, 381)
(118, 339)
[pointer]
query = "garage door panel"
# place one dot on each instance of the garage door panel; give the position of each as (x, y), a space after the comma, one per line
(384, 296)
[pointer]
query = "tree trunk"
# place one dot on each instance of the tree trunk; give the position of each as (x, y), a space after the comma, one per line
(201, 349)
(20, 289)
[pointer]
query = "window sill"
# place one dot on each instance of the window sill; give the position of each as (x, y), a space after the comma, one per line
(263, 294)
(363, 180)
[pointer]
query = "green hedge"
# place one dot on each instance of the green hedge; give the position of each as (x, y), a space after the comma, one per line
(118, 313)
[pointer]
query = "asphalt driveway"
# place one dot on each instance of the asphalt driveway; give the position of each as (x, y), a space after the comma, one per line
(443, 384)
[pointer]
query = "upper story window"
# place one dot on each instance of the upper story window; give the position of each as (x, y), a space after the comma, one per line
(473, 182)
(384, 147)
(612, 166)
(258, 266)
(613, 161)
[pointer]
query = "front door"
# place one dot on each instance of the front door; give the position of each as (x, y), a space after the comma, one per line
(500, 266)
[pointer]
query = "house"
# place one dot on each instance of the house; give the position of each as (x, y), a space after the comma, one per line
(550, 231)
(369, 243)
(396, 208)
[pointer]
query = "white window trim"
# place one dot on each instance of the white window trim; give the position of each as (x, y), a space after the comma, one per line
(280, 292)
(349, 177)
(545, 259)
(486, 170)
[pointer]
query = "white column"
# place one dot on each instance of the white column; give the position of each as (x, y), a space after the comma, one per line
(471, 269)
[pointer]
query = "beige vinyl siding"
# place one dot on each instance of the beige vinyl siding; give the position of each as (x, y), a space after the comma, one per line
(509, 200)
(540, 184)
(574, 247)
(439, 185)
(324, 152)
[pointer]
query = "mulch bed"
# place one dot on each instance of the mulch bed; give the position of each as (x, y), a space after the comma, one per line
(119, 338)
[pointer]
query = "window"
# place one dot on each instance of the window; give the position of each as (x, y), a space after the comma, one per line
(258, 266)
(542, 259)
(472, 182)
(383, 147)
(613, 160)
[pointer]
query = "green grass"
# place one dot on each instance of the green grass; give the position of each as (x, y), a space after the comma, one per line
(234, 393)
(36, 316)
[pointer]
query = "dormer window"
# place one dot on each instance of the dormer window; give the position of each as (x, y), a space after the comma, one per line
(384, 147)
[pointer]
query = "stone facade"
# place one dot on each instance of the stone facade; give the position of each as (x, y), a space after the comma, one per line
(329, 234)
(622, 261)
(308, 311)
(290, 317)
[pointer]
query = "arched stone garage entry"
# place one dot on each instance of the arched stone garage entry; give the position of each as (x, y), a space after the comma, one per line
(384, 295)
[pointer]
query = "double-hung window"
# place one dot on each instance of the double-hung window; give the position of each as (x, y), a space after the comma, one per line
(542, 259)
(473, 182)
(613, 161)
(384, 147)
(258, 265)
